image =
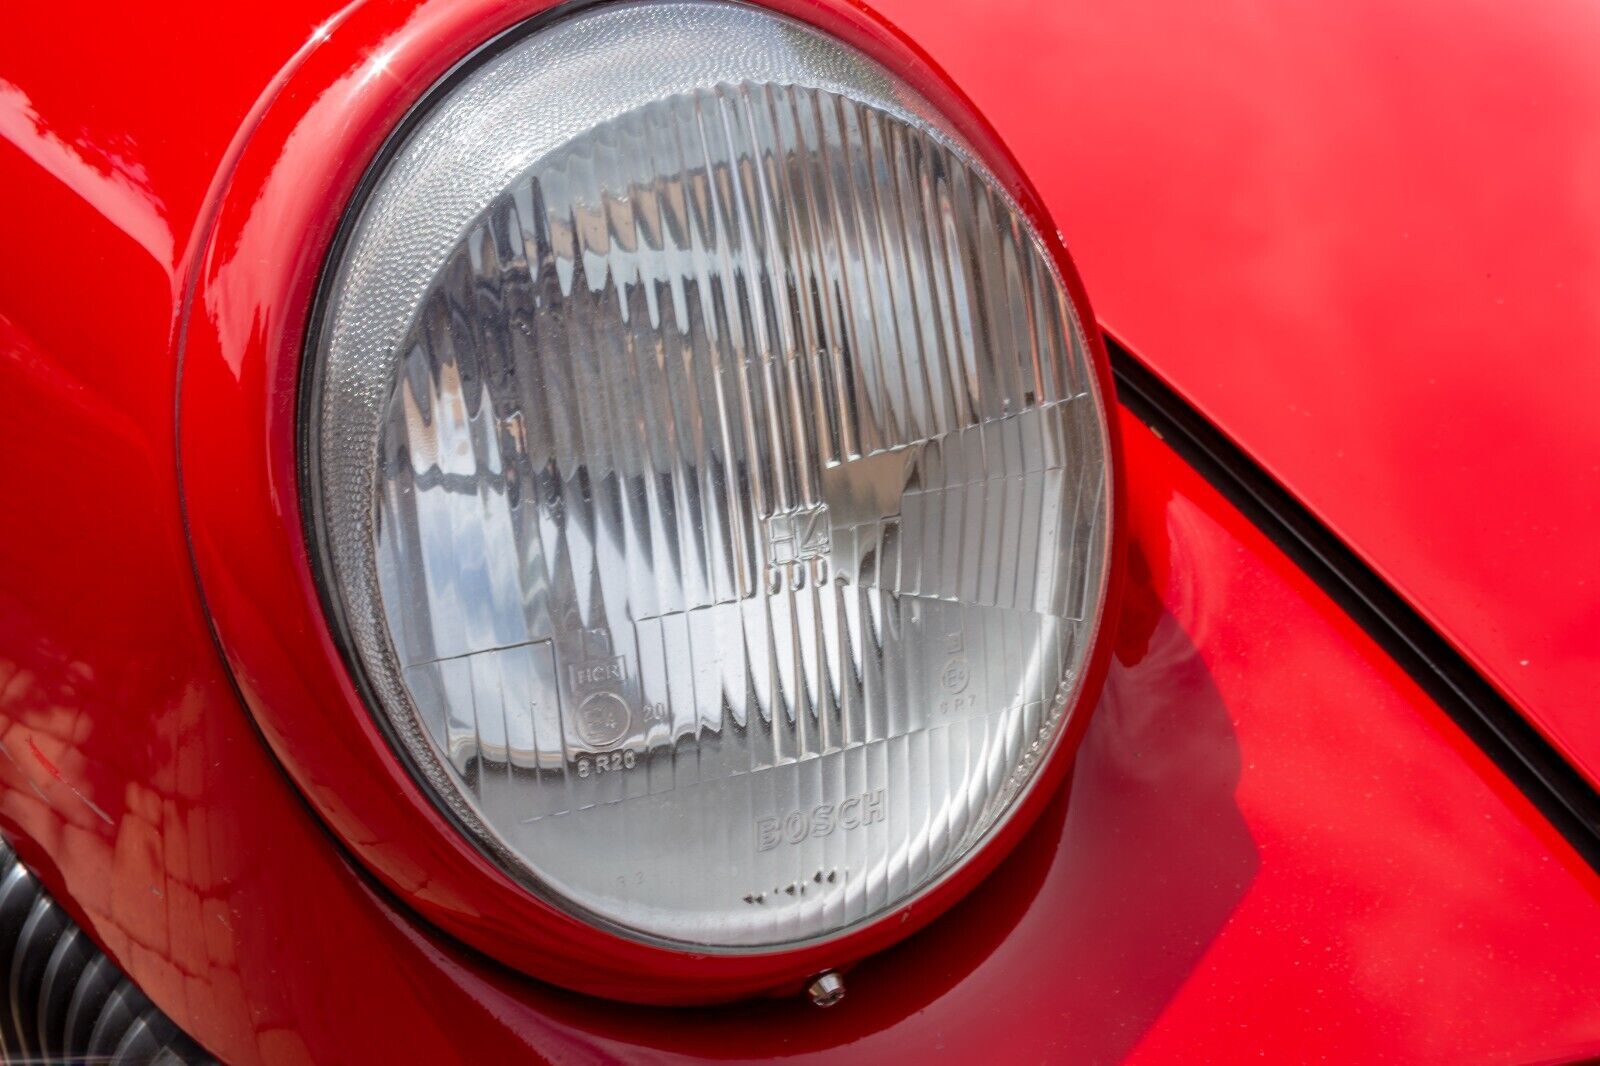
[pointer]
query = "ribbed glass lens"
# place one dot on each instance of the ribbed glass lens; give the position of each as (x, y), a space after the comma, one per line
(711, 475)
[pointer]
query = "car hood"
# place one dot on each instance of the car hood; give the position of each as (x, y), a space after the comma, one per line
(1364, 240)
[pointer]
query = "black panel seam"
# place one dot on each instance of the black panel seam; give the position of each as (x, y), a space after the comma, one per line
(1531, 763)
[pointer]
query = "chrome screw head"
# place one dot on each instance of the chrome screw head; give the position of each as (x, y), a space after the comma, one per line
(827, 989)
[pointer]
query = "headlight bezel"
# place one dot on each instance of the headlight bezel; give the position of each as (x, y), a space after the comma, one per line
(270, 609)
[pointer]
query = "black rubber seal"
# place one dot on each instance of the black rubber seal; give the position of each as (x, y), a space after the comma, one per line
(1560, 793)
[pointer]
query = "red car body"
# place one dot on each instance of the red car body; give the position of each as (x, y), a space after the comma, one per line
(1361, 241)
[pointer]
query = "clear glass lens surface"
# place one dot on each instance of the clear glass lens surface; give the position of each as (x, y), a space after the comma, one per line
(711, 476)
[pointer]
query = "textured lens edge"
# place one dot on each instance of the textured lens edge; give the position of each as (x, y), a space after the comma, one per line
(377, 653)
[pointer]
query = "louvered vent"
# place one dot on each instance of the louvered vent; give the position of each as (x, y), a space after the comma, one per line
(65, 1001)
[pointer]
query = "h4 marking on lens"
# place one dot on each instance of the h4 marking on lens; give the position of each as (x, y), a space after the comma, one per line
(797, 535)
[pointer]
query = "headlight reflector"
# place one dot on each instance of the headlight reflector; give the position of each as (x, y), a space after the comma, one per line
(710, 475)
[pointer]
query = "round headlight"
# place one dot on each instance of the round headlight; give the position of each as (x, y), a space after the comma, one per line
(709, 475)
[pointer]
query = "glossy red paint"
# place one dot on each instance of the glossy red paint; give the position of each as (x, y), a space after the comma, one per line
(1272, 839)
(241, 464)
(1364, 239)
(1244, 862)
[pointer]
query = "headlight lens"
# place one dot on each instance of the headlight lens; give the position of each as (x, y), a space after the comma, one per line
(709, 475)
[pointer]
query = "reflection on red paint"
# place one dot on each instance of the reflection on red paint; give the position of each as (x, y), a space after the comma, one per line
(50, 767)
(102, 174)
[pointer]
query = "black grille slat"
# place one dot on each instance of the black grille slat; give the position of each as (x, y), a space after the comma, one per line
(18, 890)
(88, 999)
(72, 955)
(148, 1039)
(65, 1000)
(46, 924)
(122, 1009)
